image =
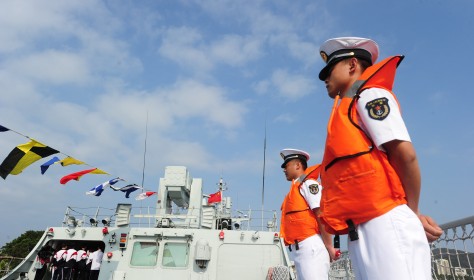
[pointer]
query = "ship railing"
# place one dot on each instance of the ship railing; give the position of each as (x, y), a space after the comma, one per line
(452, 255)
(7, 263)
(259, 220)
(262, 220)
(342, 268)
(88, 216)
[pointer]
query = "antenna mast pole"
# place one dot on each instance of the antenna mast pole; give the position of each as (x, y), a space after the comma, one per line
(263, 175)
(144, 152)
(143, 170)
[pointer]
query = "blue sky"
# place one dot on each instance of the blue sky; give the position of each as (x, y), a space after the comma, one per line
(82, 77)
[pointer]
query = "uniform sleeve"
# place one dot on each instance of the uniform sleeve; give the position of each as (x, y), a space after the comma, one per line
(380, 117)
(90, 257)
(311, 191)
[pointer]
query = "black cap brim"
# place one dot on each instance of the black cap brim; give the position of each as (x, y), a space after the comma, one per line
(324, 73)
(285, 162)
(292, 157)
(341, 55)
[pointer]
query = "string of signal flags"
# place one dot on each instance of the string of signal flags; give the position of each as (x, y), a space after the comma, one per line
(26, 154)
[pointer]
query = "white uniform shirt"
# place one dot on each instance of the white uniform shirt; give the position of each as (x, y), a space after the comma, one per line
(71, 254)
(392, 127)
(311, 191)
(81, 255)
(61, 254)
(96, 259)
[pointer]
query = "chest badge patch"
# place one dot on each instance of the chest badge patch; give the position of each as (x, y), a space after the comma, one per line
(378, 108)
(314, 188)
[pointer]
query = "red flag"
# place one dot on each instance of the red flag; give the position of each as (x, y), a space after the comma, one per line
(144, 195)
(214, 198)
(76, 176)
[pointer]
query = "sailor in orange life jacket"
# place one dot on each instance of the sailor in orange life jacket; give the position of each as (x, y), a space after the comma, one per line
(311, 251)
(370, 170)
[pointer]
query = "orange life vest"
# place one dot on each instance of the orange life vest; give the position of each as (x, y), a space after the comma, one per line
(298, 221)
(359, 182)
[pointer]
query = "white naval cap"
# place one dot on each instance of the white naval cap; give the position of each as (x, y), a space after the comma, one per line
(337, 49)
(289, 154)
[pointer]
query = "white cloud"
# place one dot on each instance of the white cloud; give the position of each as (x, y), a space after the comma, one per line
(289, 86)
(191, 98)
(187, 153)
(262, 87)
(128, 110)
(24, 22)
(16, 90)
(184, 46)
(62, 42)
(187, 48)
(275, 24)
(285, 118)
(266, 22)
(54, 67)
(236, 50)
(186, 100)
(306, 52)
(292, 86)
(21, 22)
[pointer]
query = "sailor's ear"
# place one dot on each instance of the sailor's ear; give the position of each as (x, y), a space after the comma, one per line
(353, 64)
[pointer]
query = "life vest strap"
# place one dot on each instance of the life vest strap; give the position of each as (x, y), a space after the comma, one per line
(297, 247)
(353, 235)
(302, 178)
(337, 243)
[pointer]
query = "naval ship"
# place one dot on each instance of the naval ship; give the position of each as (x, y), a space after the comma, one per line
(185, 237)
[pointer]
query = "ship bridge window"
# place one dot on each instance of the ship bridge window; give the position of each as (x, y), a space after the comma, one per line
(144, 254)
(175, 254)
